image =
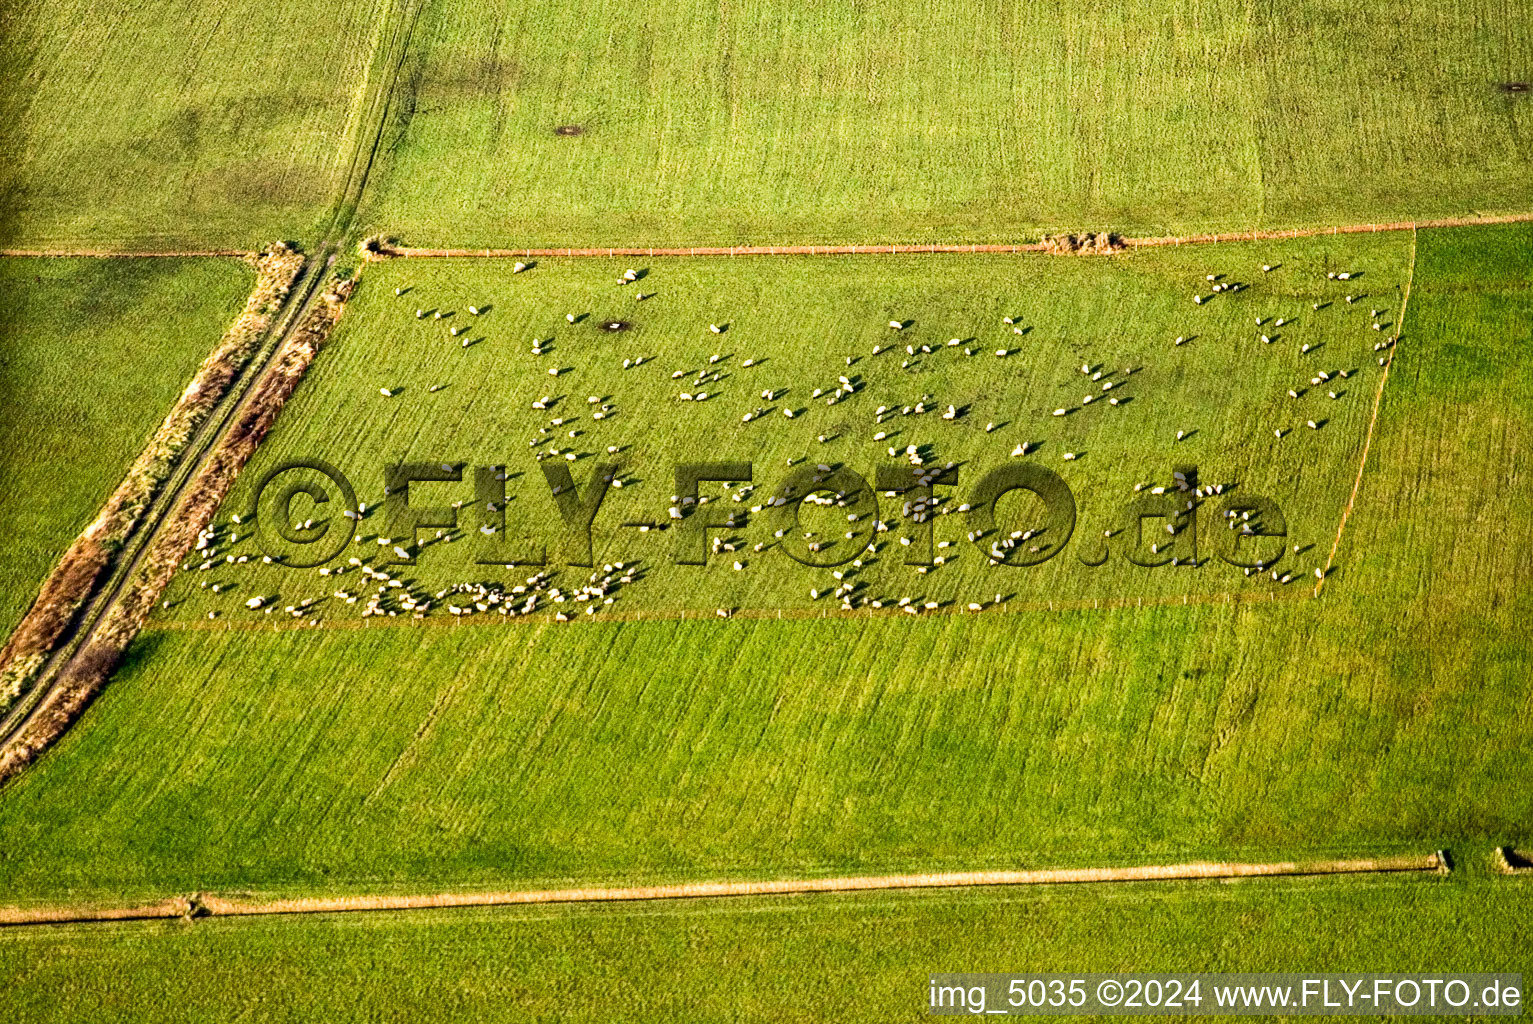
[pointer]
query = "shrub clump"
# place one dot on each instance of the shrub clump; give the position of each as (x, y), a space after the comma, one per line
(1091, 243)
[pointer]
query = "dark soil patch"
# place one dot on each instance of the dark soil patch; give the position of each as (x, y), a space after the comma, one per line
(570, 130)
(614, 326)
(488, 75)
(1090, 242)
(1516, 87)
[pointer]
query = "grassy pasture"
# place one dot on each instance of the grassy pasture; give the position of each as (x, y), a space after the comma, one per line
(867, 957)
(174, 124)
(799, 320)
(770, 123)
(1390, 714)
(95, 353)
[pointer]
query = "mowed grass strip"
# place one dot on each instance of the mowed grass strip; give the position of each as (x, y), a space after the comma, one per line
(342, 761)
(177, 125)
(96, 353)
(463, 390)
(868, 958)
(1387, 716)
(774, 124)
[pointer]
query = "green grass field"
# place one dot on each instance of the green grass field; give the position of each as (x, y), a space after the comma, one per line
(799, 321)
(1087, 715)
(853, 958)
(774, 123)
(1389, 714)
(174, 125)
(96, 352)
(233, 124)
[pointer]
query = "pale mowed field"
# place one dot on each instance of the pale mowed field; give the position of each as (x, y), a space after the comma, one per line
(348, 760)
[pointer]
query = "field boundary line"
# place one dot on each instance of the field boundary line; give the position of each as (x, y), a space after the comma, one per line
(108, 254)
(1126, 242)
(208, 905)
(822, 249)
(1378, 401)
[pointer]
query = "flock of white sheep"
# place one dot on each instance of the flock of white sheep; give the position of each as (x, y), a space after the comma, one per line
(560, 438)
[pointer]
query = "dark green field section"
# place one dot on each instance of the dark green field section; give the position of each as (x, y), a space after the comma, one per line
(1391, 714)
(863, 958)
(175, 124)
(185, 125)
(94, 354)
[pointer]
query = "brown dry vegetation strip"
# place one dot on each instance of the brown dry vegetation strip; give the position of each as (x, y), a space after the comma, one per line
(83, 565)
(1049, 245)
(668, 615)
(85, 673)
(208, 905)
